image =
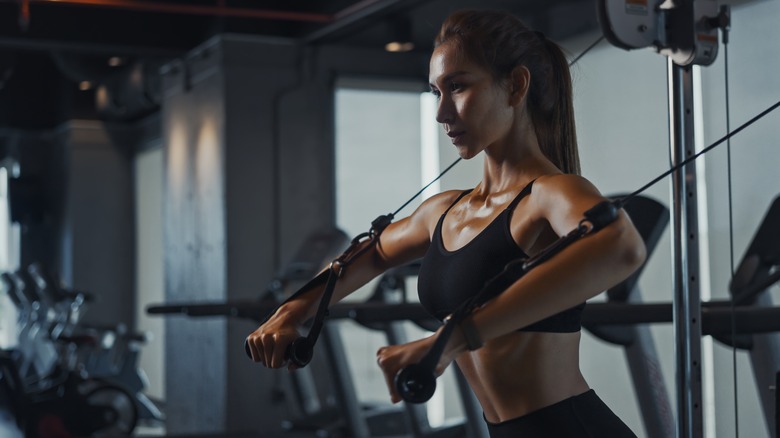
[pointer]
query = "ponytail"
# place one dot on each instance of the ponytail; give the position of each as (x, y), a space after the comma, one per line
(553, 112)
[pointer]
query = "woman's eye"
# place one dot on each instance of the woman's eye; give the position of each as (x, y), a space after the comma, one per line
(455, 86)
(436, 93)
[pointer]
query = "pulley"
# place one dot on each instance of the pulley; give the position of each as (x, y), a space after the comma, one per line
(686, 31)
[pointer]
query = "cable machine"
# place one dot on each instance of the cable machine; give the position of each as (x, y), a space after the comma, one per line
(686, 31)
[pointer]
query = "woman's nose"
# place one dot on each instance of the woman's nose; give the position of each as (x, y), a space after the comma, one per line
(445, 112)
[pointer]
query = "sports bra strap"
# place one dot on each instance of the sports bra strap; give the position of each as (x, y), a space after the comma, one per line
(523, 193)
(464, 193)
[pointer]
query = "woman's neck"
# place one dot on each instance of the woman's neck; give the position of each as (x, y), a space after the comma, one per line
(512, 164)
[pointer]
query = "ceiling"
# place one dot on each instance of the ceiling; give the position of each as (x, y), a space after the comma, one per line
(49, 47)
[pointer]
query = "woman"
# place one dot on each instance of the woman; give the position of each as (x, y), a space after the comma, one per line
(503, 91)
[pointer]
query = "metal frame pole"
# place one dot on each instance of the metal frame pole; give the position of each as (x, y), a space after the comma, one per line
(685, 251)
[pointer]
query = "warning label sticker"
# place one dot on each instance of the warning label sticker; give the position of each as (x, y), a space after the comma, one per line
(636, 7)
(707, 38)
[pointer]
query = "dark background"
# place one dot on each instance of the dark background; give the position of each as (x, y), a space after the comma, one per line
(48, 49)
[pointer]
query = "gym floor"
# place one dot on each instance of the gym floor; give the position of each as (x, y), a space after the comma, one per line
(9, 429)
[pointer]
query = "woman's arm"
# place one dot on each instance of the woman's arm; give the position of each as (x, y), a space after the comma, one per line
(401, 242)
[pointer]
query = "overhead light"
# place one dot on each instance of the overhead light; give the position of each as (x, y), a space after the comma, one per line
(400, 35)
(101, 97)
(398, 46)
(85, 85)
(116, 61)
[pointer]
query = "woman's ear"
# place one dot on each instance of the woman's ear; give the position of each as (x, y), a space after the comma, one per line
(519, 84)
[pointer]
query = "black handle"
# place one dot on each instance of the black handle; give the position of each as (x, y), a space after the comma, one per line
(416, 383)
(299, 352)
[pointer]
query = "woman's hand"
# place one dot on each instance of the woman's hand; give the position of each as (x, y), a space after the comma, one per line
(268, 344)
(393, 358)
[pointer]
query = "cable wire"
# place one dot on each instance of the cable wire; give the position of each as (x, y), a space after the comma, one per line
(676, 167)
(426, 186)
(731, 235)
(594, 44)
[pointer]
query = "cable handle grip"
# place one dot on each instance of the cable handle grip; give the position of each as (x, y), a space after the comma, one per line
(299, 351)
(416, 383)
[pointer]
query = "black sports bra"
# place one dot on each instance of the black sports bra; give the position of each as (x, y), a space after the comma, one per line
(448, 278)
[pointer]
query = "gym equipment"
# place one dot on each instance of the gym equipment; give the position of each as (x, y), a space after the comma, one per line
(63, 375)
(650, 219)
(686, 32)
(67, 404)
(758, 270)
(109, 353)
(38, 351)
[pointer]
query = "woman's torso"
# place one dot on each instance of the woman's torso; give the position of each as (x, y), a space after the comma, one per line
(521, 371)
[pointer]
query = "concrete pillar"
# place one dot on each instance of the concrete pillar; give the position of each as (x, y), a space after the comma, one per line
(221, 224)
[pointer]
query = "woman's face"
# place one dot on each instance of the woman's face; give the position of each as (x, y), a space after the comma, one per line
(473, 108)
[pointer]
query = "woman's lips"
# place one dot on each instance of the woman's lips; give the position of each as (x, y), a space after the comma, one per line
(455, 136)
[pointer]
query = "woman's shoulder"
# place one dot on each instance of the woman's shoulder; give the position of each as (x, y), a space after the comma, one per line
(424, 218)
(564, 185)
(446, 197)
(439, 202)
(563, 199)
(432, 208)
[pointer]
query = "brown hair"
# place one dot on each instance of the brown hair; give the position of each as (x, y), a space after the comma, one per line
(499, 41)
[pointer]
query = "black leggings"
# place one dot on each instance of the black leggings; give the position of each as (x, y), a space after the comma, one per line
(581, 416)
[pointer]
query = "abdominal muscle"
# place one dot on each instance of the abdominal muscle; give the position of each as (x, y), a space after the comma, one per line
(521, 372)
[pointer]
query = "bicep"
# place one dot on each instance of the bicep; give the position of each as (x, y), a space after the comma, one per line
(566, 203)
(408, 239)
(564, 199)
(401, 242)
